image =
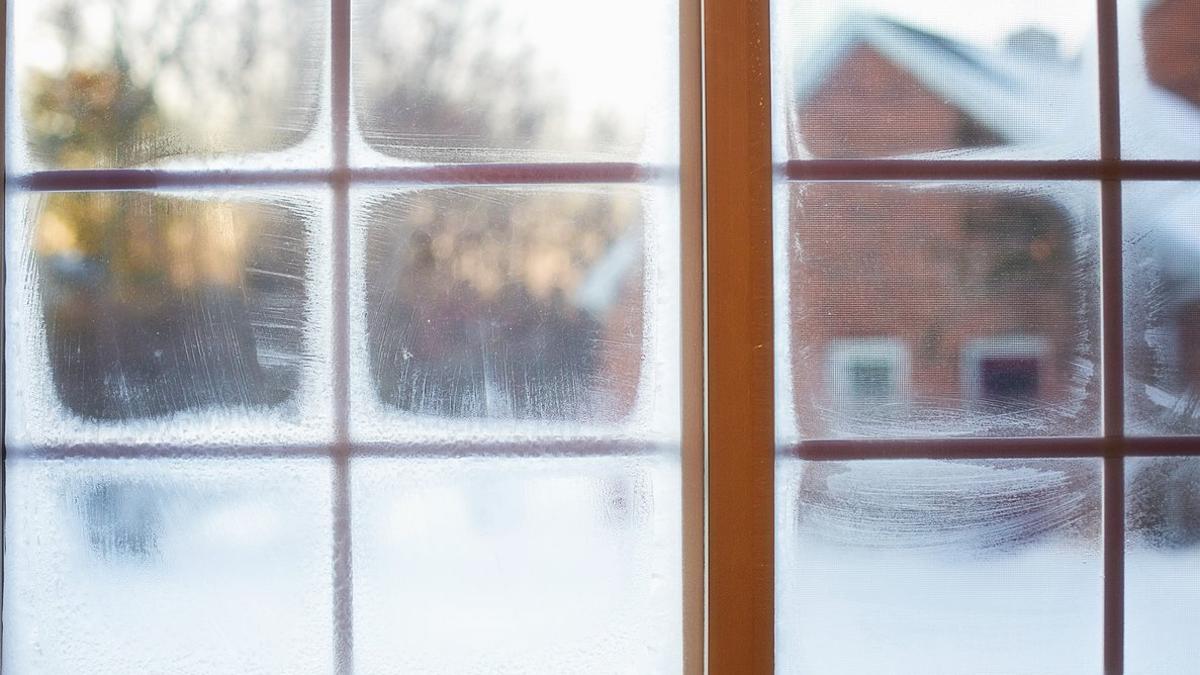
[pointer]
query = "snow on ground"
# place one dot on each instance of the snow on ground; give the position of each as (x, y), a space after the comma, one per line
(524, 565)
(1162, 611)
(860, 610)
(167, 567)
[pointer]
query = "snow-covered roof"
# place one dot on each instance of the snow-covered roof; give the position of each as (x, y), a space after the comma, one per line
(1047, 102)
(1016, 94)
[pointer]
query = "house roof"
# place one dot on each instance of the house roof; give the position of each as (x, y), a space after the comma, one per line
(996, 87)
(1049, 102)
(1025, 97)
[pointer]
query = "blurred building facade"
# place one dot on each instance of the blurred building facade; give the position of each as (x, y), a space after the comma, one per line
(979, 304)
(968, 300)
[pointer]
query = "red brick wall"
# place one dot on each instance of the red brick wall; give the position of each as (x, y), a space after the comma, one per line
(934, 269)
(1171, 31)
(868, 107)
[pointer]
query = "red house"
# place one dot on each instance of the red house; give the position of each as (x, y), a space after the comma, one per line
(963, 308)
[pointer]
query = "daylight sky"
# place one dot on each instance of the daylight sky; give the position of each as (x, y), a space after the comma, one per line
(619, 53)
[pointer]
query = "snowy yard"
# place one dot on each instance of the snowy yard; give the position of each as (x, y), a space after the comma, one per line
(535, 565)
(538, 565)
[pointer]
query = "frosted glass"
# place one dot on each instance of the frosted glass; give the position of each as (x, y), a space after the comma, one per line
(167, 566)
(516, 80)
(518, 307)
(887, 78)
(140, 317)
(932, 567)
(122, 83)
(1160, 79)
(506, 303)
(1162, 565)
(517, 565)
(931, 309)
(1162, 308)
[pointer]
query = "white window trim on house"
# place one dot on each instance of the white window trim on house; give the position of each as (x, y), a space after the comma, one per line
(976, 351)
(677, 326)
(843, 353)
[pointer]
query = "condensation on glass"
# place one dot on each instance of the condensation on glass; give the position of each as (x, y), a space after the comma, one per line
(515, 81)
(124, 83)
(893, 78)
(540, 565)
(186, 566)
(188, 318)
(931, 309)
(1160, 79)
(924, 566)
(1162, 308)
(175, 356)
(1162, 556)
(505, 303)
(926, 310)
(516, 309)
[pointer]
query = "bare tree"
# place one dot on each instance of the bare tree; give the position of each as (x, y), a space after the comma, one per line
(459, 82)
(179, 78)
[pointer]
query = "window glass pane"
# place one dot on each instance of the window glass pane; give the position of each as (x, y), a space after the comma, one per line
(150, 318)
(518, 305)
(539, 565)
(176, 355)
(886, 78)
(516, 80)
(931, 309)
(1162, 589)
(1162, 307)
(120, 83)
(167, 566)
(938, 567)
(1160, 79)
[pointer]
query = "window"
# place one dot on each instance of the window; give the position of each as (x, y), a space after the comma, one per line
(1006, 371)
(369, 332)
(351, 336)
(1008, 379)
(999, 192)
(866, 371)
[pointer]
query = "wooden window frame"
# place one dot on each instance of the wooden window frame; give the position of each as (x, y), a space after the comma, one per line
(729, 451)
(741, 448)
(339, 177)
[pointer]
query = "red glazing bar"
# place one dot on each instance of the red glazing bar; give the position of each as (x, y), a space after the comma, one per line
(473, 447)
(470, 174)
(945, 448)
(150, 179)
(817, 450)
(987, 448)
(535, 174)
(813, 451)
(1164, 446)
(987, 170)
(343, 570)
(1112, 317)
